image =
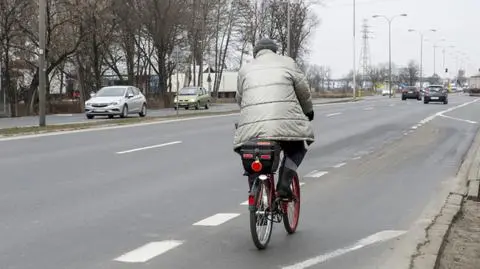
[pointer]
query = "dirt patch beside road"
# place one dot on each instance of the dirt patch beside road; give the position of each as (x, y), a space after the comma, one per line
(462, 246)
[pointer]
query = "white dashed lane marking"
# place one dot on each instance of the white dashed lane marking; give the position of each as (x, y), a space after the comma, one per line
(148, 251)
(339, 165)
(217, 219)
(149, 147)
(334, 114)
(316, 174)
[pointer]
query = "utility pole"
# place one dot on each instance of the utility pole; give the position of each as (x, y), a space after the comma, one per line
(41, 62)
(354, 54)
(421, 61)
(289, 22)
(177, 64)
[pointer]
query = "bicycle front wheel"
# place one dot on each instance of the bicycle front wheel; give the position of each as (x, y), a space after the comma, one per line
(291, 209)
(261, 219)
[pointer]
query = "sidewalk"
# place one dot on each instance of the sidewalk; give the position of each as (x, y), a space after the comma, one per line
(462, 246)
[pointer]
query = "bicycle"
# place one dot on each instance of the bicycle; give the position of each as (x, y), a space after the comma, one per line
(260, 159)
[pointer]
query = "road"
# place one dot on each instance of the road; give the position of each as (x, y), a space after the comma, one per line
(80, 118)
(129, 197)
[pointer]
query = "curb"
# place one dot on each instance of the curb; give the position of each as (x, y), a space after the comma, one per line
(428, 250)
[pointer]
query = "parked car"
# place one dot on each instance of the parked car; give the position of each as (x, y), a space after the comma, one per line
(411, 92)
(192, 97)
(385, 92)
(435, 93)
(116, 101)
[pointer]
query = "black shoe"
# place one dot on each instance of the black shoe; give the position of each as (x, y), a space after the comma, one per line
(284, 182)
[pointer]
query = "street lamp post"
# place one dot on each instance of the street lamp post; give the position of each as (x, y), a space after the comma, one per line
(421, 53)
(435, 55)
(176, 50)
(289, 22)
(41, 62)
(354, 54)
(389, 20)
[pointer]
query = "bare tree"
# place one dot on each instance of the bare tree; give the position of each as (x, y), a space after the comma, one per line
(377, 75)
(11, 37)
(410, 74)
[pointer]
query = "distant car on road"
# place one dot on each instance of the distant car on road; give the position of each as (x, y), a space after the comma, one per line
(116, 101)
(192, 97)
(435, 93)
(385, 92)
(411, 92)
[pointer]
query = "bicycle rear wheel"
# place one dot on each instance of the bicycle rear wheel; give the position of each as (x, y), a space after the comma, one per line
(291, 209)
(261, 219)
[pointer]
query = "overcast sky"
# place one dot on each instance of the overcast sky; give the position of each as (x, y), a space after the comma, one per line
(458, 21)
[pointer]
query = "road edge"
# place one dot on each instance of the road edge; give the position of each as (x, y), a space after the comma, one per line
(427, 252)
(421, 245)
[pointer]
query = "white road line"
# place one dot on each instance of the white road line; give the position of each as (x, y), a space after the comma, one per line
(217, 219)
(148, 251)
(334, 114)
(368, 108)
(149, 147)
(392, 105)
(453, 118)
(339, 165)
(357, 158)
(302, 183)
(441, 113)
(316, 174)
(373, 239)
(64, 115)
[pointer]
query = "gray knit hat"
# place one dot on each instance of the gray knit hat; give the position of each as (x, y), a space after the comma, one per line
(265, 43)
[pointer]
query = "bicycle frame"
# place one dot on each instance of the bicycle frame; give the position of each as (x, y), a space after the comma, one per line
(277, 203)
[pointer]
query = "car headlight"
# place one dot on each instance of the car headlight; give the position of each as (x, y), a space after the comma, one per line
(88, 104)
(192, 100)
(114, 103)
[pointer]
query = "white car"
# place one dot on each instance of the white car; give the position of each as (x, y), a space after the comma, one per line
(385, 92)
(116, 101)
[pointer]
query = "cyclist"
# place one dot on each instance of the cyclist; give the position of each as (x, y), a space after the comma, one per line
(275, 104)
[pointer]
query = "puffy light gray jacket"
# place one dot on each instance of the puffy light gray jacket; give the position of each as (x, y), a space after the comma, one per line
(274, 97)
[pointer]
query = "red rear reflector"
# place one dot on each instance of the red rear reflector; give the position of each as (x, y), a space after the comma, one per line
(251, 200)
(265, 157)
(256, 166)
(248, 156)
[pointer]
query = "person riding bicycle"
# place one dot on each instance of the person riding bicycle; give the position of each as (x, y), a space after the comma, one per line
(275, 104)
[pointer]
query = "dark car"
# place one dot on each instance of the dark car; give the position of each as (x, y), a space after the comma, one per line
(411, 93)
(435, 93)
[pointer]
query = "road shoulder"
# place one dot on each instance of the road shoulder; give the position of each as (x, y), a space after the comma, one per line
(423, 245)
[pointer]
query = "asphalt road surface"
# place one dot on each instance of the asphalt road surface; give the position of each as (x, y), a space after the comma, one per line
(170, 195)
(80, 118)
